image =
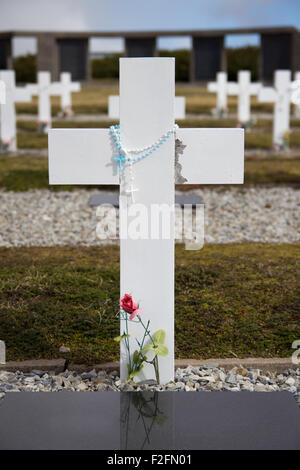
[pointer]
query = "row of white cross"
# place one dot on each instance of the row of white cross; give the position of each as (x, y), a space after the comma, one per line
(44, 89)
(280, 94)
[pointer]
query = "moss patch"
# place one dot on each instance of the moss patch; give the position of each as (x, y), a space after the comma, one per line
(230, 299)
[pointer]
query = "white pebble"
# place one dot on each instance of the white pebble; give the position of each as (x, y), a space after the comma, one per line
(48, 218)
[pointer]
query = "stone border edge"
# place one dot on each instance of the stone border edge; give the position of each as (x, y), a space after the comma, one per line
(60, 365)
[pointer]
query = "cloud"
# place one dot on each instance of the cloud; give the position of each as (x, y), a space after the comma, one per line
(126, 15)
(79, 15)
(44, 15)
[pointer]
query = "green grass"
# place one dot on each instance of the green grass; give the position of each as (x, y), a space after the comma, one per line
(27, 172)
(259, 137)
(32, 140)
(197, 107)
(32, 126)
(23, 173)
(275, 170)
(55, 109)
(262, 124)
(295, 139)
(262, 140)
(230, 299)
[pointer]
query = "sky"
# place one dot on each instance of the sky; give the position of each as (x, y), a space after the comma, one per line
(140, 15)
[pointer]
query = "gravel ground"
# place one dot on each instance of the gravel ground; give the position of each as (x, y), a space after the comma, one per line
(45, 218)
(190, 379)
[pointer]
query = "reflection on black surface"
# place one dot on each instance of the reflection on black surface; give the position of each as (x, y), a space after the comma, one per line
(146, 420)
(149, 420)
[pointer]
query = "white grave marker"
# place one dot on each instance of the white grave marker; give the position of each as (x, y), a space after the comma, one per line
(220, 87)
(280, 94)
(13, 94)
(2, 352)
(243, 89)
(179, 107)
(44, 89)
(114, 107)
(2, 92)
(67, 87)
(296, 94)
(87, 156)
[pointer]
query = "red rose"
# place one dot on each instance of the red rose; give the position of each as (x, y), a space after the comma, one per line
(128, 303)
(138, 311)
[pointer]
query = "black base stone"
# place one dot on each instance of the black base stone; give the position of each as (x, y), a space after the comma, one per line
(149, 420)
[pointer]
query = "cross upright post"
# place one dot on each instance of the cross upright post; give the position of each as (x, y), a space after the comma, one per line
(2, 352)
(297, 105)
(114, 107)
(13, 94)
(44, 89)
(220, 87)
(243, 89)
(280, 95)
(65, 88)
(88, 156)
(2, 92)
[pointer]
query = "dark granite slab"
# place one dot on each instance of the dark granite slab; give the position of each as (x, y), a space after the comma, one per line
(149, 420)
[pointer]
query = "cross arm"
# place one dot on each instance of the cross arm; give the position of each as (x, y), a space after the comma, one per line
(82, 156)
(212, 86)
(212, 156)
(74, 86)
(267, 94)
(33, 88)
(22, 95)
(57, 88)
(254, 88)
(233, 88)
(86, 156)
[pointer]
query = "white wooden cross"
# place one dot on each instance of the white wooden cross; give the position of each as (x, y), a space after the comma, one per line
(2, 92)
(86, 156)
(2, 352)
(114, 107)
(13, 94)
(243, 89)
(44, 89)
(220, 87)
(296, 90)
(280, 94)
(67, 87)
